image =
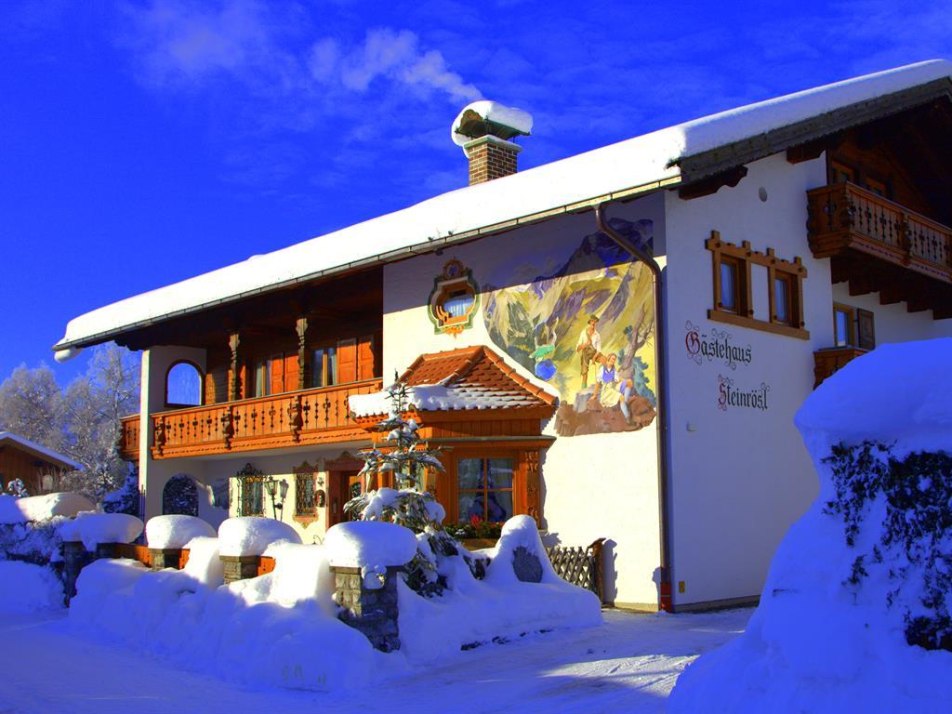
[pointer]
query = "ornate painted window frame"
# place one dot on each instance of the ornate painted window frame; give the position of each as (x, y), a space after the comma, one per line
(456, 280)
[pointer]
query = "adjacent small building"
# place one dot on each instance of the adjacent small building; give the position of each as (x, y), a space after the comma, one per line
(614, 343)
(40, 469)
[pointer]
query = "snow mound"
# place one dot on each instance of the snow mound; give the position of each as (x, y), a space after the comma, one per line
(95, 528)
(42, 508)
(251, 535)
(362, 544)
(203, 562)
(26, 588)
(834, 628)
(852, 405)
(500, 607)
(302, 573)
(174, 531)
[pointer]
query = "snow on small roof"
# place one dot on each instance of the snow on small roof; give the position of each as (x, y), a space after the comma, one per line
(627, 168)
(40, 451)
(465, 378)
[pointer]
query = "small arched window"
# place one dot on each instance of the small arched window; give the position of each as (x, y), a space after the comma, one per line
(183, 385)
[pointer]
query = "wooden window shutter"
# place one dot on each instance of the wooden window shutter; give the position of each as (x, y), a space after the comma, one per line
(292, 372)
(865, 329)
(276, 365)
(347, 361)
(365, 358)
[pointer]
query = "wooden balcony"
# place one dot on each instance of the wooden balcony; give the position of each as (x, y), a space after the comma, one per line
(308, 417)
(828, 361)
(880, 246)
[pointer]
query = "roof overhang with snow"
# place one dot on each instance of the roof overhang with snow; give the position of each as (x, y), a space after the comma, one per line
(39, 452)
(667, 158)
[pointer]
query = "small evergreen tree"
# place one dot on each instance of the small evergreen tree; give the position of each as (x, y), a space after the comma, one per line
(409, 505)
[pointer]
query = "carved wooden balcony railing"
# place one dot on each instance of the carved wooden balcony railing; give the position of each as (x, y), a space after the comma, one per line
(312, 416)
(846, 217)
(828, 361)
(129, 437)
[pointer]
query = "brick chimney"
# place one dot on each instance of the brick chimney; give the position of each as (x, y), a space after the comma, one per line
(484, 131)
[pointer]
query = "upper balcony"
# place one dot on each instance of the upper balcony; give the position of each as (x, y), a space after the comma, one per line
(881, 246)
(305, 417)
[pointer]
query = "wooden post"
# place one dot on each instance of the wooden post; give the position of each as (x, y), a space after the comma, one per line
(304, 357)
(234, 384)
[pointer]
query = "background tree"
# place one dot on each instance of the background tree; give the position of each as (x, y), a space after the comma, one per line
(81, 421)
(31, 406)
(92, 407)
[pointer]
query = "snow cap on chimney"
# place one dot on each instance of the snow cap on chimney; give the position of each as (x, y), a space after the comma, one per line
(484, 130)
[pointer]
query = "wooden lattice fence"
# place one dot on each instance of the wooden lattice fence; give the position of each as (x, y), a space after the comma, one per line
(579, 566)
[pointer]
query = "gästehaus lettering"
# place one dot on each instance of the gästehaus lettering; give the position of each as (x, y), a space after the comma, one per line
(730, 396)
(717, 345)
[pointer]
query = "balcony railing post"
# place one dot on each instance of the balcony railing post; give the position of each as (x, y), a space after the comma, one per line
(294, 417)
(158, 434)
(228, 425)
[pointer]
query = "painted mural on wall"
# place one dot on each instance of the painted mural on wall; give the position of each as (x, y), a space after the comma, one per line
(587, 328)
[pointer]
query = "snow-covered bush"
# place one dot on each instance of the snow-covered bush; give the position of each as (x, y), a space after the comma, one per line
(910, 546)
(29, 526)
(126, 498)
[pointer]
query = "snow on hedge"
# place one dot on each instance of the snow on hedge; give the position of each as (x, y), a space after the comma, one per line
(95, 528)
(862, 580)
(26, 588)
(176, 530)
(42, 508)
(282, 628)
(251, 535)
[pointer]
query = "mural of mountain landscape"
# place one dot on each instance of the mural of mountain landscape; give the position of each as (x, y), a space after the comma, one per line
(588, 330)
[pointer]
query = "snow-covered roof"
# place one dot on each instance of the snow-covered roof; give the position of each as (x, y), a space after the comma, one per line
(461, 379)
(631, 167)
(40, 451)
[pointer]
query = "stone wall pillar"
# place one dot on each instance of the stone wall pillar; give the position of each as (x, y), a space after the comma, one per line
(75, 558)
(373, 611)
(240, 567)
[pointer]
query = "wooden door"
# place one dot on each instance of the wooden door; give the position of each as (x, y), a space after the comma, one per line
(344, 485)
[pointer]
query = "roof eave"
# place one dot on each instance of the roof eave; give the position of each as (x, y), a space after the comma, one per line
(723, 158)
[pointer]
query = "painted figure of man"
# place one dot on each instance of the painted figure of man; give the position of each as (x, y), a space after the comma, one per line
(589, 345)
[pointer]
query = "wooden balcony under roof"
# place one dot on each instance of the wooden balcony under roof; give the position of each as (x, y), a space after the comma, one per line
(878, 245)
(311, 416)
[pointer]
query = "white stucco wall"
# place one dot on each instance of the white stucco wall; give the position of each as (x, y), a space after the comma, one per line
(740, 476)
(594, 486)
(894, 323)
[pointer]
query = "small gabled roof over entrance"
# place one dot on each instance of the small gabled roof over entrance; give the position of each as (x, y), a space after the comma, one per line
(465, 379)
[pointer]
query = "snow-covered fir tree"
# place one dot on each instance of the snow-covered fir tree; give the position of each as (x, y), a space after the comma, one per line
(409, 505)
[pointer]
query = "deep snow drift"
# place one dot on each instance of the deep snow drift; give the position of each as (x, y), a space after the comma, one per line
(866, 570)
(281, 628)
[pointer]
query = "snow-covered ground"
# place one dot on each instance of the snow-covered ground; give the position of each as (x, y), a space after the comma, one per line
(629, 663)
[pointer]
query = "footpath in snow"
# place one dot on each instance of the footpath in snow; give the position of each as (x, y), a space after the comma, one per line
(629, 663)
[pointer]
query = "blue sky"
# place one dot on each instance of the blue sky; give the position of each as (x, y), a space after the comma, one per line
(144, 142)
